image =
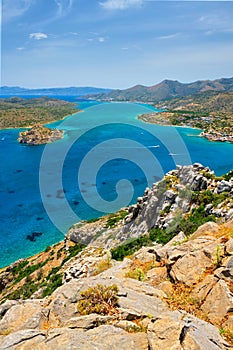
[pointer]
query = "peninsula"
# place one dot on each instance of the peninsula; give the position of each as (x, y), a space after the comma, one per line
(39, 135)
(16, 112)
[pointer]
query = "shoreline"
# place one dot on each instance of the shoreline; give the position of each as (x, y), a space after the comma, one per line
(213, 136)
(46, 123)
(174, 126)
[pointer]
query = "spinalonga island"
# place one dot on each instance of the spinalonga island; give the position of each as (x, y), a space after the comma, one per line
(39, 135)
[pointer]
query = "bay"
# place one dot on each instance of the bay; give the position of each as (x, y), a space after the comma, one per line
(105, 161)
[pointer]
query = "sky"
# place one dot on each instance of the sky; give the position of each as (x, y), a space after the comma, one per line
(114, 43)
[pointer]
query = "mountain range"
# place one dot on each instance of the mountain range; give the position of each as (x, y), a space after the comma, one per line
(166, 90)
(69, 91)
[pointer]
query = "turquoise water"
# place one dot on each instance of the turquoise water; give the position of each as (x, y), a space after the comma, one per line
(103, 163)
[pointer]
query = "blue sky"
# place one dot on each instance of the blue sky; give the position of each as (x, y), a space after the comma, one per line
(114, 43)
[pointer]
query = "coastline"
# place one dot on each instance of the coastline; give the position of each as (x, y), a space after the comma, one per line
(210, 135)
(46, 123)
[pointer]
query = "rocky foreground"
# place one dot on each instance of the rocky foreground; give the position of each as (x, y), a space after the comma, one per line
(150, 277)
(39, 135)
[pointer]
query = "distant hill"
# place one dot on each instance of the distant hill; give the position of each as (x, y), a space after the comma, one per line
(70, 91)
(166, 90)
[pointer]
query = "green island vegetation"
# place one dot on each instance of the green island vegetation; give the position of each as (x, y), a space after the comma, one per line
(16, 112)
(209, 111)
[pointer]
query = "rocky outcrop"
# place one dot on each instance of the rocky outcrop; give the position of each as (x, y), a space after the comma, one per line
(164, 206)
(39, 135)
(172, 296)
(165, 203)
(156, 310)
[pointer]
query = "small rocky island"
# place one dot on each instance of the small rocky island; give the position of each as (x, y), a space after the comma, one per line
(39, 135)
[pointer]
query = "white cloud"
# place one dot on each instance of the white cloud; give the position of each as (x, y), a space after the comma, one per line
(63, 7)
(120, 4)
(74, 33)
(20, 48)
(15, 8)
(38, 36)
(167, 37)
(101, 39)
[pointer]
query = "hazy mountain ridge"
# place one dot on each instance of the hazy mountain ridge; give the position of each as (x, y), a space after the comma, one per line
(69, 91)
(166, 90)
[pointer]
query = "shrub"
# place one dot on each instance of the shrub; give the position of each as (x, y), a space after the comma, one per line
(54, 282)
(228, 176)
(129, 247)
(99, 299)
(136, 274)
(73, 251)
(113, 219)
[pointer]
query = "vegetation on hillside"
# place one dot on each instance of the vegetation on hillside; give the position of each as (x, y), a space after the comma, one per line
(210, 111)
(16, 112)
(41, 273)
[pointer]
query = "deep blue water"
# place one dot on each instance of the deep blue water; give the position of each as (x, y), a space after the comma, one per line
(105, 161)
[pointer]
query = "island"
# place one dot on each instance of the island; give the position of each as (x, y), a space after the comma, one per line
(39, 135)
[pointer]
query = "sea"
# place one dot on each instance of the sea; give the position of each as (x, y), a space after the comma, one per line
(105, 161)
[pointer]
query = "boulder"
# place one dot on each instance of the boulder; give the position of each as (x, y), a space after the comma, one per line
(101, 338)
(218, 303)
(229, 247)
(203, 288)
(25, 315)
(27, 339)
(181, 331)
(190, 268)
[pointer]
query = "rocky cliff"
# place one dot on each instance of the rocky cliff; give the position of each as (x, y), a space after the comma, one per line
(128, 289)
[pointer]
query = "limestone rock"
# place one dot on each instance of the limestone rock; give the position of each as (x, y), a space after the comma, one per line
(138, 304)
(190, 268)
(24, 339)
(87, 321)
(25, 315)
(203, 288)
(209, 228)
(101, 338)
(229, 246)
(219, 302)
(165, 333)
(183, 332)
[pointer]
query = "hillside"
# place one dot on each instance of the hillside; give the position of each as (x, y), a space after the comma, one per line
(16, 112)
(210, 111)
(148, 277)
(166, 90)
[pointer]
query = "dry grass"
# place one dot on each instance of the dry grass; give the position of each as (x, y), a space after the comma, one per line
(139, 269)
(182, 300)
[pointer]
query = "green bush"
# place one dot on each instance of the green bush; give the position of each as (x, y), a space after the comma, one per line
(54, 282)
(73, 251)
(228, 176)
(113, 219)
